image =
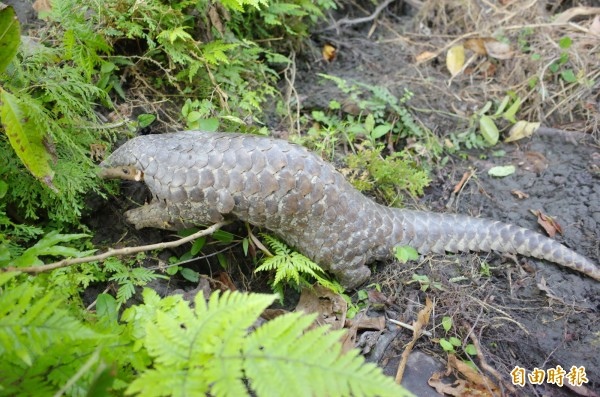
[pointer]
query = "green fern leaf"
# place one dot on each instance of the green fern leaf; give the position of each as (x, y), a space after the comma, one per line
(208, 350)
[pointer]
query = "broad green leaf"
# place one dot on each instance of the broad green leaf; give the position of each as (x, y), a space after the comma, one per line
(197, 246)
(447, 346)
(10, 36)
(210, 124)
(144, 120)
(565, 42)
(447, 323)
(405, 253)
(568, 76)
(489, 130)
(455, 341)
(471, 350)
(381, 130)
(26, 141)
(190, 275)
(502, 171)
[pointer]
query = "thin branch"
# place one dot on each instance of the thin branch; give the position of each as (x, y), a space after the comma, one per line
(116, 252)
(345, 21)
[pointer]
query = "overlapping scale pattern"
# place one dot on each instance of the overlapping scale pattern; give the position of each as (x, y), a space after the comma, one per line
(201, 177)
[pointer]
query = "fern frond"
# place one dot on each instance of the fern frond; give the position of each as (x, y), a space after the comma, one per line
(208, 350)
(290, 266)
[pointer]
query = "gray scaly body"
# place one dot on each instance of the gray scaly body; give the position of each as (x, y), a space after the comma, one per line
(200, 178)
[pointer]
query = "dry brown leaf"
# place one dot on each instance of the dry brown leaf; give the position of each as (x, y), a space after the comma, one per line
(522, 129)
(366, 322)
(534, 162)
(422, 321)
(455, 59)
(477, 45)
(571, 13)
(330, 307)
(498, 50)
(215, 20)
(519, 194)
(270, 314)
(42, 6)
(550, 225)
(329, 52)
(425, 56)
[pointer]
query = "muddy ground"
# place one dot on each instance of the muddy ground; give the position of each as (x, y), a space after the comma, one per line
(529, 313)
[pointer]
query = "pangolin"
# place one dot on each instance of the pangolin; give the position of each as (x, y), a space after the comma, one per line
(199, 178)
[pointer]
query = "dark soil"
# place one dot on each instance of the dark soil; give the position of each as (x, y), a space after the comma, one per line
(529, 313)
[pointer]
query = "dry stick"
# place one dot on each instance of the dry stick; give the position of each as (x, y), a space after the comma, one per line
(117, 252)
(422, 321)
(346, 21)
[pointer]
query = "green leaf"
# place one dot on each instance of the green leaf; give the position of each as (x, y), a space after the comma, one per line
(471, 350)
(106, 308)
(455, 341)
(223, 236)
(245, 244)
(210, 124)
(26, 140)
(3, 189)
(381, 130)
(447, 323)
(190, 274)
(568, 76)
(369, 123)
(502, 171)
(489, 130)
(144, 120)
(197, 246)
(512, 111)
(10, 36)
(447, 346)
(565, 42)
(406, 253)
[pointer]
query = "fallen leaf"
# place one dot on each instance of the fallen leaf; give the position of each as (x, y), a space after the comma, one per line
(534, 162)
(425, 56)
(522, 129)
(476, 45)
(329, 52)
(331, 308)
(215, 20)
(519, 194)
(498, 50)
(502, 171)
(455, 59)
(418, 326)
(42, 6)
(550, 225)
(367, 322)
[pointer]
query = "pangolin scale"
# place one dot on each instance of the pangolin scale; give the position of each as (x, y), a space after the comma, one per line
(199, 178)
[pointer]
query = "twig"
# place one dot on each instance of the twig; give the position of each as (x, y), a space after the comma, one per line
(346, 21)
(117, 252)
